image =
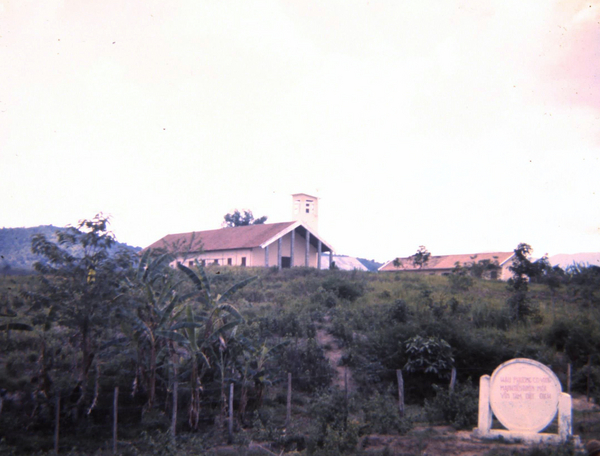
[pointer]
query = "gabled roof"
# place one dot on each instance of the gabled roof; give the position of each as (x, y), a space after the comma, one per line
(305, 194)
(343, 262)
(448, 261)
(241, 237)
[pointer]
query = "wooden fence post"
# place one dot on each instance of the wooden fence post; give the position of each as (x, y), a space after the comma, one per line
(231, 411)
(174, 412)
(400, 392)
(453, 379)
(346, 384)
(115, 418)
(589, 368)
(56, 424)
(288, 415)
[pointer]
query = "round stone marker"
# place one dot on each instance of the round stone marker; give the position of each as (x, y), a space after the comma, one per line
(524, 395)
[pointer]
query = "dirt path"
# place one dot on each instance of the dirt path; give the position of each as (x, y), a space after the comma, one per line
(333, 353)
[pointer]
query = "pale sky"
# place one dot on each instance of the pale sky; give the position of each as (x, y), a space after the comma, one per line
(463, 125)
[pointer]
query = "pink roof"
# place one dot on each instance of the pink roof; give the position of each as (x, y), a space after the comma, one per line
(241, 237)
(448, 261)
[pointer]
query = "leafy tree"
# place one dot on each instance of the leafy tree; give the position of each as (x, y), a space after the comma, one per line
(15, 246)
(421, 258)
(80, 285)
(524, 270)
(418, 260)
(483, 268)
(459, 278)
(398, 263)
(236, 218)
(429, 354)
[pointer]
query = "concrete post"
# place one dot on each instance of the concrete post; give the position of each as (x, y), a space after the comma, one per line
(319, 246)
(307, 249)
(279, 254)
(484, 422)
(565, 421)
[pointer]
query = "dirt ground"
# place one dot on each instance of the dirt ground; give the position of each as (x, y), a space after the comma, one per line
(430, 441)
(444, 440)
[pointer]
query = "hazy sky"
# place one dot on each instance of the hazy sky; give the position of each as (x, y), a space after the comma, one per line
(462, 125)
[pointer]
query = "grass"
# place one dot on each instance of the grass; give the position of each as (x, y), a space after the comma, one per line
(369, 324)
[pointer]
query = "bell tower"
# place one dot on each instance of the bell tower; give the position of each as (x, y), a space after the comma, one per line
(306, 209)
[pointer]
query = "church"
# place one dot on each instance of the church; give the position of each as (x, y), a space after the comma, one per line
(284, 244)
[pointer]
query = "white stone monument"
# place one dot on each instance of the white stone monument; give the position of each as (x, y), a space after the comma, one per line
(525, 396)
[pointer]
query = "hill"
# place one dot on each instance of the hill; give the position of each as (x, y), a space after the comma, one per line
(371, 265)
(332, 341)
(565, 260)
(15, 247)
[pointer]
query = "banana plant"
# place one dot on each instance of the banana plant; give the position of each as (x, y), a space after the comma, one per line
(154, 311)
(208, 332)
(253, 370)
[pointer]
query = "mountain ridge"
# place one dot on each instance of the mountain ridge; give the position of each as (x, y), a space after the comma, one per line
(15, 247)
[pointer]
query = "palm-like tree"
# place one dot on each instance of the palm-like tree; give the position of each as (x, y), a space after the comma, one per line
(209, 326)
(150, 320)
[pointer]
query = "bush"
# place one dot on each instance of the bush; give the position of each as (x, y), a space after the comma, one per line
(344, 289)
(459, 279)
(323, 297)
(521, 308)
(399, 311)
(382, 415)
(485, 316)
(309, 368)
(558, 334)
(332, 433)
(458, 408)
(431, 355)
(583, 341)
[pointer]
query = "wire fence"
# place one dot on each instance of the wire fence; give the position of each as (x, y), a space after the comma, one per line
(110, 421)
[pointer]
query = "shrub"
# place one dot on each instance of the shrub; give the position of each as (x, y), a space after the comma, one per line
(485, 316)
(521, 307)
(309, 368)
(332, 432)
(382, 415)
(583, 341)
(431, 355)
(344, 289)
(399, 311)
(458, 408)
(323, 297)
(459, 279)
(558, 333)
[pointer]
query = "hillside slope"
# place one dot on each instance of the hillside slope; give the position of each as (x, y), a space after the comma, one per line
(15, 247)
(565, 260)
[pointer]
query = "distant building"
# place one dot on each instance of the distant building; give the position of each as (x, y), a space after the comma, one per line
(442, 265)
(344, 263)
(285, 244)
